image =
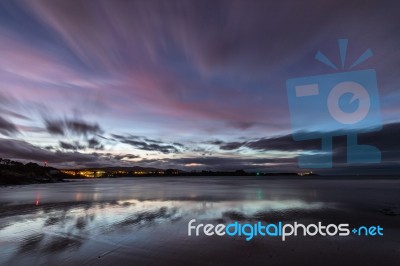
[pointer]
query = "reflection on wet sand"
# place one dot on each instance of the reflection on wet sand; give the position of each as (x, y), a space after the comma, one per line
(99, 226)
(57, 228)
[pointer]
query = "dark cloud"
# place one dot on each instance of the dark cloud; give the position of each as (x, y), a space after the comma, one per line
(153, 141)
(18, 149)
(80, 127)
(231, 145)
(226, 164)
(147, 144)
(178, 144)
(7, 128)
(71, 146)
(72, 126)
(55, 127)
(75, 128)
(280, 143)
(125, 156)
(94, 143)
(216, 142)
(386, 140)
(21, 150)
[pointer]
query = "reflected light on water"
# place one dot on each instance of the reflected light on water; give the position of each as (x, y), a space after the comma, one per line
(82, 222)
(63, 227)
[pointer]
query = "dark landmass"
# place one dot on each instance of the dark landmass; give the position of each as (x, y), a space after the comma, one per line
(156, 172)
(17, 173)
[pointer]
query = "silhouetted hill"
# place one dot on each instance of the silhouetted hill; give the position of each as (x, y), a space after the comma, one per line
(14, 173)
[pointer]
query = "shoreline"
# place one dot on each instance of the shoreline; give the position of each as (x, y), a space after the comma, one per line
(12, 181)
(33, 181)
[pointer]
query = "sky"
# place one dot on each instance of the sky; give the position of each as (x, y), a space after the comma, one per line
(194, 85)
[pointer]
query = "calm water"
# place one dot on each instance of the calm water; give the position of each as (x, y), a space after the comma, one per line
(143, 221)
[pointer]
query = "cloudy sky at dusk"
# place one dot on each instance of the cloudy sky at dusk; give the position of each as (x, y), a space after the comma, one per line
(183, 84)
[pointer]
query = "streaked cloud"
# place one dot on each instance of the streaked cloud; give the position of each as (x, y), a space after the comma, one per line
(165, 77)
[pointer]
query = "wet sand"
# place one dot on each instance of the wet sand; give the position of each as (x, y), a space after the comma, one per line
(143, 221)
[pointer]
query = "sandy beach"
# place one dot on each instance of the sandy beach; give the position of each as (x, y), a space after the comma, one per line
(144, 221)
